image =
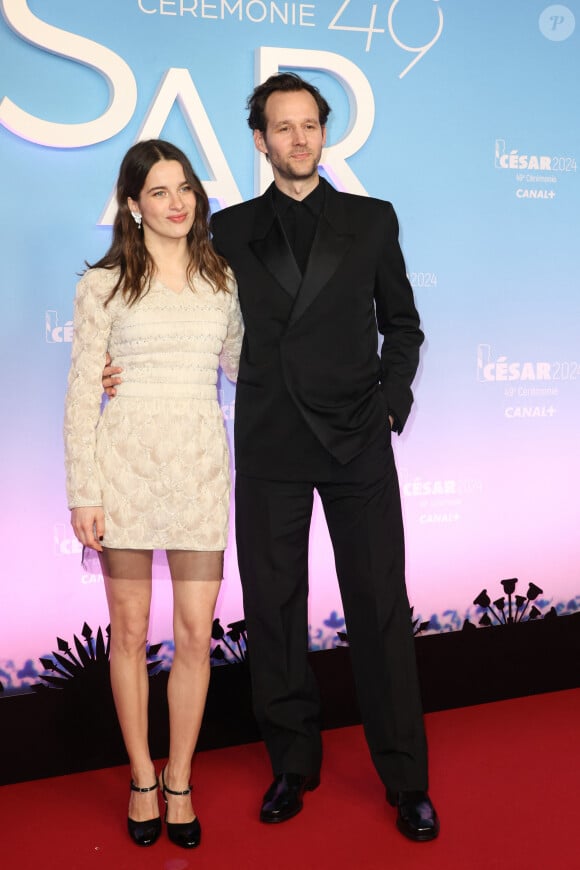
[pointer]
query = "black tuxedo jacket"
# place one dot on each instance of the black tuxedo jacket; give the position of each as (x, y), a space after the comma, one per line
(312, 387)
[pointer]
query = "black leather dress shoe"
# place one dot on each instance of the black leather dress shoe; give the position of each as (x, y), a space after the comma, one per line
(283, 800)
(416, 816)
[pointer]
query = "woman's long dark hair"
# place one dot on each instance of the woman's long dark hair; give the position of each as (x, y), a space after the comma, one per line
(128, 253)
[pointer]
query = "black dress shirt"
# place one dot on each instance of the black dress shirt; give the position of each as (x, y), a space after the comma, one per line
(299, 219)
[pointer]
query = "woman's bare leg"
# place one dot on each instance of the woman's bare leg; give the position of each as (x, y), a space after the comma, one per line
(127, 575)
(196, 578)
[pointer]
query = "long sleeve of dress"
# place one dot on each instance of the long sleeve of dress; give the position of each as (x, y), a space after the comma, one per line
(92, 326)
(230, 353)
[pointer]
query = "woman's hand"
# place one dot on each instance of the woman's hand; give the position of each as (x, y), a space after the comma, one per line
(108, 377)
(89, 526)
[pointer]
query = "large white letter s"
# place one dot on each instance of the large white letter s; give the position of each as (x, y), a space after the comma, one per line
(122, 85)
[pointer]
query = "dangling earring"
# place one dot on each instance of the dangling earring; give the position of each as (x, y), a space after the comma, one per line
(137, 218)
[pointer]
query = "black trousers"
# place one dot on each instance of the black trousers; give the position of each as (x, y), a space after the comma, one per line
(362, 506)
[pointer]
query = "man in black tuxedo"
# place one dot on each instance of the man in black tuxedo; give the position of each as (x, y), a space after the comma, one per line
(318, 271)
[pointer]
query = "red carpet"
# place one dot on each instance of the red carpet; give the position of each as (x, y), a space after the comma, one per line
(504, 778)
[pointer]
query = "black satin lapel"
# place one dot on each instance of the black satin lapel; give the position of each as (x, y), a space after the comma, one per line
(328, 249)
(274, 253)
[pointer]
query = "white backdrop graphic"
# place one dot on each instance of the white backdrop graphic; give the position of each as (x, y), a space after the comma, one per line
(464, 114)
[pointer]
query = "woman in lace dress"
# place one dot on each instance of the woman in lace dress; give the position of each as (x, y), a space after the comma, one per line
(152, 470)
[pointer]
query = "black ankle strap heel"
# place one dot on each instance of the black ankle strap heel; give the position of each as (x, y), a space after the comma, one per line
(147, 832)
(184, 834)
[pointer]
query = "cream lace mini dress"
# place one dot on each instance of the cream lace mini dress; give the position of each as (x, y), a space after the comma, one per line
(156, 458)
